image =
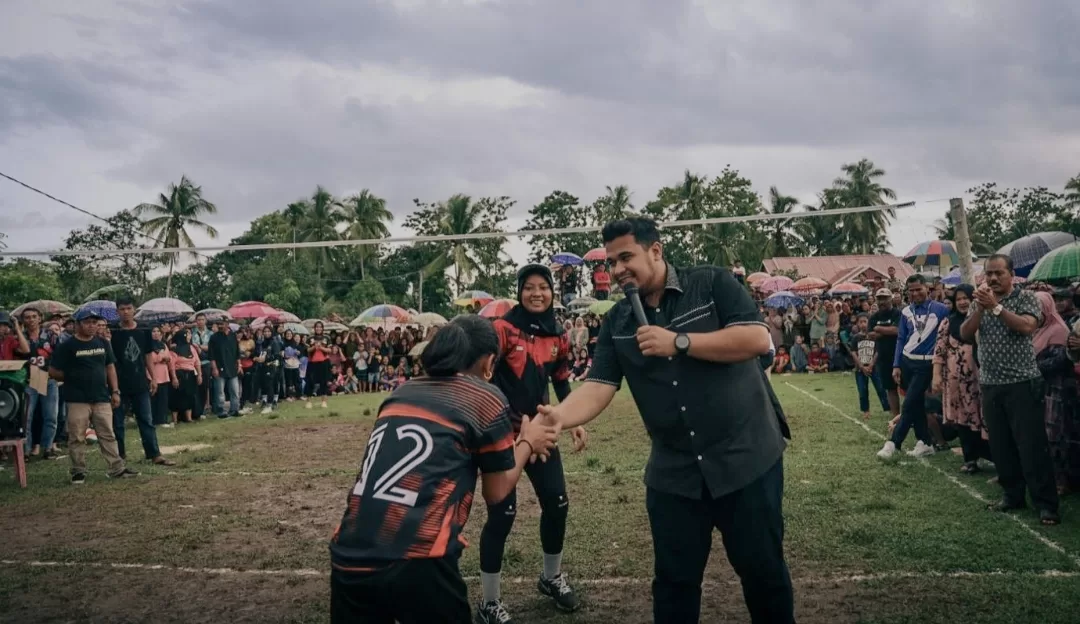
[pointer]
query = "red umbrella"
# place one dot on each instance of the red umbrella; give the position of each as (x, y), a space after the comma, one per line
(252, 310)
(497, 308)
(809, 285)
(848, 288)
(596, 255)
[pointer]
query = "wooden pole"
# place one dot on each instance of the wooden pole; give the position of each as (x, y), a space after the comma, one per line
(963, 239)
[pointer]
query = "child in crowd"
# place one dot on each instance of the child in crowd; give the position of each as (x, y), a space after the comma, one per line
(782, 362)
(352, 383)
(416, 372)
(580, 369)
(818, 361)
(800, 358)
(389, 375)
(373, 369)
(864, 351)
(360, 365)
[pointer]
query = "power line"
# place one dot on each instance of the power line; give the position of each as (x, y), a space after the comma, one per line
(87, 212)
(457, 237)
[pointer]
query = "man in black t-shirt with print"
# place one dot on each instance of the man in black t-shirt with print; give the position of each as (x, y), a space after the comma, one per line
(87, 367)
(884, 328)
(131, 346)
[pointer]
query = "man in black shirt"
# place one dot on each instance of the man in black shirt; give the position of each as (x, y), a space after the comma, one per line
(884, 329)
(86, 366)
(717, 429)
(225, 368)
(131, 346)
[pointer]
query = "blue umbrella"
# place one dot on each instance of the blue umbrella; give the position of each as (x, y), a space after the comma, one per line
(104, 309)
(1027, 251)
(783, 299)
(954, 278)
(565, 257)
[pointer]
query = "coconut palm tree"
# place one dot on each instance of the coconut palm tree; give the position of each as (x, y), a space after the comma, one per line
(323, 214)
(612, 206)
(1072, 193)
(866, 232)
(458, 215)
(176, 211)
(779, 243)
(368, 218)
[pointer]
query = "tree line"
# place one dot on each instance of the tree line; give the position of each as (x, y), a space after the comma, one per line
(344, 280)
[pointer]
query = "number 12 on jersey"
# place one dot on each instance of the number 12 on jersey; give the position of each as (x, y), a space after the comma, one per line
(385, 488)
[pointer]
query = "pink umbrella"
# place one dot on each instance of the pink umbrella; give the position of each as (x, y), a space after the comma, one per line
(252, 310)
(809, 286)
(775, 284)
(754, 278)
(497, 308)
(848, 288)
(281, 316)
(596, 255)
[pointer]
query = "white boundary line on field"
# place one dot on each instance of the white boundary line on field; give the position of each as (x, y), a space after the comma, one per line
(604, 581)
(1049, 543)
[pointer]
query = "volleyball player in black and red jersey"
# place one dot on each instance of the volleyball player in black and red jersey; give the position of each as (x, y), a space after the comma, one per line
(534, 352)
(394, 557)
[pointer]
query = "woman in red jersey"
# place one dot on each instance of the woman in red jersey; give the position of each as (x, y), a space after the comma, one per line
(394, 557)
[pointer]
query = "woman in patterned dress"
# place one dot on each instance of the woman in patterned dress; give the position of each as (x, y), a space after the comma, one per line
(1062, 401)
(956, 378)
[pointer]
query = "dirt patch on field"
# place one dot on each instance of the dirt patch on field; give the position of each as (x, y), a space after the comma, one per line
(293, 447)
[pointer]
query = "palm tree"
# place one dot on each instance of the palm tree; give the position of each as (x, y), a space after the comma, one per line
(819, 236)
(320, 223)
(945, 229)
(458, 215)
(779, 243)
(866, 232)
(1072, 193)
(612, 206)
(176, 210)
(367, 216)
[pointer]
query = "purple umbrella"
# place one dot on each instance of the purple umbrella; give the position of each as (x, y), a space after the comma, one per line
(103, 308)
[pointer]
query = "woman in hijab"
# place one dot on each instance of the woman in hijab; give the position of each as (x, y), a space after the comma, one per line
(534, 351)
(956, 378)
(188, 377)
(162, 371)
(1062, 404)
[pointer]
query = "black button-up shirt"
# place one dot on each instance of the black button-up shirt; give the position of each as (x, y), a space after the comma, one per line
(712, 425)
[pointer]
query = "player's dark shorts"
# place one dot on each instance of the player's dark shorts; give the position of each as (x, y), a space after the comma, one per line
(413, 591)
(884, 373)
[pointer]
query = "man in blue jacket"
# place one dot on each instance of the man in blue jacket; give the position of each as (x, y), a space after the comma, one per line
(913, 367)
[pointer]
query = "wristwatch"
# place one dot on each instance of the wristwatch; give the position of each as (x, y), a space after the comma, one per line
(996, 310)
(682, 344)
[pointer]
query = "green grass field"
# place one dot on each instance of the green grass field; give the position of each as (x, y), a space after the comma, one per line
(238, 530)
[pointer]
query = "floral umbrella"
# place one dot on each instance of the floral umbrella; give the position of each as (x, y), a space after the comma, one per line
(937, 253)
(596, 255)
(497, 308)
(103, 308)
(47, 307)
(775, 283)
(384, 313)
(783, 299)
(252, 310)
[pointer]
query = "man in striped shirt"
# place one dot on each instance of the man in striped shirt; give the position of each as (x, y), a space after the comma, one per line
(913, 367)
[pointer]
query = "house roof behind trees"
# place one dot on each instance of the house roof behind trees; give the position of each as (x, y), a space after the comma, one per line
(830, 267)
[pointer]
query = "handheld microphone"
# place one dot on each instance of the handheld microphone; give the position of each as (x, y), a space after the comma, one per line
(634, 296)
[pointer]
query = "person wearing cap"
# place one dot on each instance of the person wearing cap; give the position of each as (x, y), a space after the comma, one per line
(716, 427)
(534, 352)
(87, 367)
(884, 327)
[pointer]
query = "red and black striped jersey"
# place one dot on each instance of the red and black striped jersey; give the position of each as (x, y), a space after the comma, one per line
(527, 365)
(415, 488)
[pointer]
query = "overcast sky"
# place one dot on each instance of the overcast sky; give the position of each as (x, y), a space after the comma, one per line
(103, 103)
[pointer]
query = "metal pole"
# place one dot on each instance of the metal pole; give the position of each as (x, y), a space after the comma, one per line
(963, 239)
(420, 294)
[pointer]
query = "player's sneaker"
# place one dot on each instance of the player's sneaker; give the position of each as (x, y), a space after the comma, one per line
(921, 449)
(559, 590)
(492, 612)
(887, 451)
(78, 478)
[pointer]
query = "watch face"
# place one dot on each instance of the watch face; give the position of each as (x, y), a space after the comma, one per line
(682, 342)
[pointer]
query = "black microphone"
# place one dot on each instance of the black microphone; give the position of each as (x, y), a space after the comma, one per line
(634, 296)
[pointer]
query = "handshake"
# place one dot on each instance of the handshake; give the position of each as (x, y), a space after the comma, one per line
(541, 433)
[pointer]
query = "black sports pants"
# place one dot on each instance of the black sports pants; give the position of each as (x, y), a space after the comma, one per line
(413, 591)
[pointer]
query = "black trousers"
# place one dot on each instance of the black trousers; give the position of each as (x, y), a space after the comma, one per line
(414, 591)
(1013, 414)
(751, 523)
(204, 393)
(318, 378)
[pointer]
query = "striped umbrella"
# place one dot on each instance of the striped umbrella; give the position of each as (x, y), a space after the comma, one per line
(848, 288)
(933, 253)
(775, 283)
(384, 313)
(1062, 263)
(497, 309)
(1027, 251)
(809, 286)
(473, 297)
(754, 278)
(596, 255)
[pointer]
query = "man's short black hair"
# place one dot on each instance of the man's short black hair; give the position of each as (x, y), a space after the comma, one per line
(123, 300)
(1005, 257)
(916, 278)
(643, 229)
(198, 315)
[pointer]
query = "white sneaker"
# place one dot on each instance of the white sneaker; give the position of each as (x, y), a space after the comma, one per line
(324, 404)
(921, 450)
(245, 411)
(267, 410)
(887, 451)
(308, 406)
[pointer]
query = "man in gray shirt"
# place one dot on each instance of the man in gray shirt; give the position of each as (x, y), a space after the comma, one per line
(1005, 318)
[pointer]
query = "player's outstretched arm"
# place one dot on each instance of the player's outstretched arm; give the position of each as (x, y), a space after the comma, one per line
(536, 438)
(583, 405)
